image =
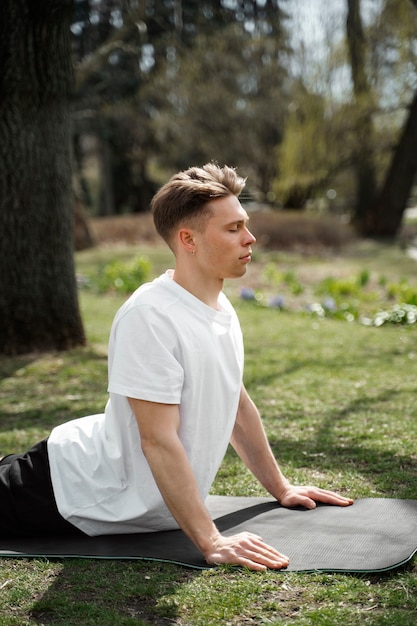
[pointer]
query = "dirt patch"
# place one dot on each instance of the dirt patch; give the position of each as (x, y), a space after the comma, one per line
(129, 229)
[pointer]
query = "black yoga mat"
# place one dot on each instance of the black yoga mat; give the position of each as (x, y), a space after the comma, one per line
(372, 535)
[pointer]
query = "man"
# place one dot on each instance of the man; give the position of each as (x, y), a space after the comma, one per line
(176, 397)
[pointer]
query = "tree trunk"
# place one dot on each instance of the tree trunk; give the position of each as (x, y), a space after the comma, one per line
(385, 217)
(106, 202)
(83, 238)
(38, 293)
(364, 163)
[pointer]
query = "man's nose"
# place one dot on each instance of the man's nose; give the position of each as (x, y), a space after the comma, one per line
(251, 238)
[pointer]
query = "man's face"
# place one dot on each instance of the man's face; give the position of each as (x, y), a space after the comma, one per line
(223, 250)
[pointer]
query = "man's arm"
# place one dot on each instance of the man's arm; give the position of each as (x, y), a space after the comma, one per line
(251, 444)
(158, 426)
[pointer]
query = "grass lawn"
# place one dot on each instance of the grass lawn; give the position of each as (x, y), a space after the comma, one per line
(339, 405)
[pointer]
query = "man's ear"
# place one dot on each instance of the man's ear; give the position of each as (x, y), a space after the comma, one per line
(185, 239)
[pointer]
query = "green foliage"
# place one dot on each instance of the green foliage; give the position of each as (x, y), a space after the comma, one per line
(339, 287)
(293, 283)
(310, 149)
(364, 277)
(271, 274)
(402, 292)
(243, 92)
(361, 297)
(122, 276)
(157, 113)
(274, 277)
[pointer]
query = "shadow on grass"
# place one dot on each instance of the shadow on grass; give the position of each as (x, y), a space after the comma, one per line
(112, 592)
(10, 365)
(45, 418)
(392, 474)
(357, 406)
(42, 391)
(271, 368)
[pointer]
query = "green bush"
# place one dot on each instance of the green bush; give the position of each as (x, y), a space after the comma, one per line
(273, 276)
(364, 278)
(122, 277)
(402, 292)
(339, 287)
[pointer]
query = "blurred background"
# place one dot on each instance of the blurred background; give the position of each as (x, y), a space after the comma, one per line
(309, 99)
(101, 101)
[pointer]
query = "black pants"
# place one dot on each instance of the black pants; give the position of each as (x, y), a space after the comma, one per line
(27, 502)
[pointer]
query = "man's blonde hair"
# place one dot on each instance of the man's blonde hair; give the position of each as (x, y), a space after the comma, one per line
(186, 196)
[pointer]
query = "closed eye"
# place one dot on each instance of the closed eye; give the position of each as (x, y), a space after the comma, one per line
(233, 228)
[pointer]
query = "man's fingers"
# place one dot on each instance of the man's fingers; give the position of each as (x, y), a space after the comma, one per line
(270, 553)
(332, 498)
(248, 550)
(308, 496)
(261, 562)
(270, 561)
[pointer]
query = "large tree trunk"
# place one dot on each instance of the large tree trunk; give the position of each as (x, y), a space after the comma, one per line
(38, 294)
(364, 162)
(385, 217)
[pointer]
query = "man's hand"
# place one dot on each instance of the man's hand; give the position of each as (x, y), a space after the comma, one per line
(251, 444)
(247, 550)
(307, 497)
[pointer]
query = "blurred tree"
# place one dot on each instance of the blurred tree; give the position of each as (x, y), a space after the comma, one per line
(331, 135)
(363, 154)
(172, 51)
(107, 52)
(319, 140)
(223, 96)
(385, 214)
(38, 298)
(384, 217)
(315, 147)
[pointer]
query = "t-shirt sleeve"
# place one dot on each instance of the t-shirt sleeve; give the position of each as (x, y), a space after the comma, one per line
(143, 357)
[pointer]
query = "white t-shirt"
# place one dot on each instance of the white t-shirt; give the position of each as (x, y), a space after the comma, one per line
(165, 346)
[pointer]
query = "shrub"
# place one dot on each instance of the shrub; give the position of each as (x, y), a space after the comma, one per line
(274, 277)
(339, 287)
(122, 277)
(402, 292)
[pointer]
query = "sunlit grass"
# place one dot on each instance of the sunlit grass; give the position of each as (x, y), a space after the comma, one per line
(339, 405)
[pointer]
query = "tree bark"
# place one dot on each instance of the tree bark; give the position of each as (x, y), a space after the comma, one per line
(38, 292)
(385, 217)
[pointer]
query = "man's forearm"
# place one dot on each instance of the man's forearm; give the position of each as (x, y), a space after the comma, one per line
(158, 426)
(251, 444)
(176, 482)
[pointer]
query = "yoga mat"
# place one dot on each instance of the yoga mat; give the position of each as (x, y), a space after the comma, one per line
(372, 535)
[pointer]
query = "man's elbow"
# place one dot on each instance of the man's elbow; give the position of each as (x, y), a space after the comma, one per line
(155, 446)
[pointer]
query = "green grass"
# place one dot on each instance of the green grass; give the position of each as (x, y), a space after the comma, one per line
(339, 405)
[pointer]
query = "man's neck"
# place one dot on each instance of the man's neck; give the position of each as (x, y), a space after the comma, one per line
(207, 292)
